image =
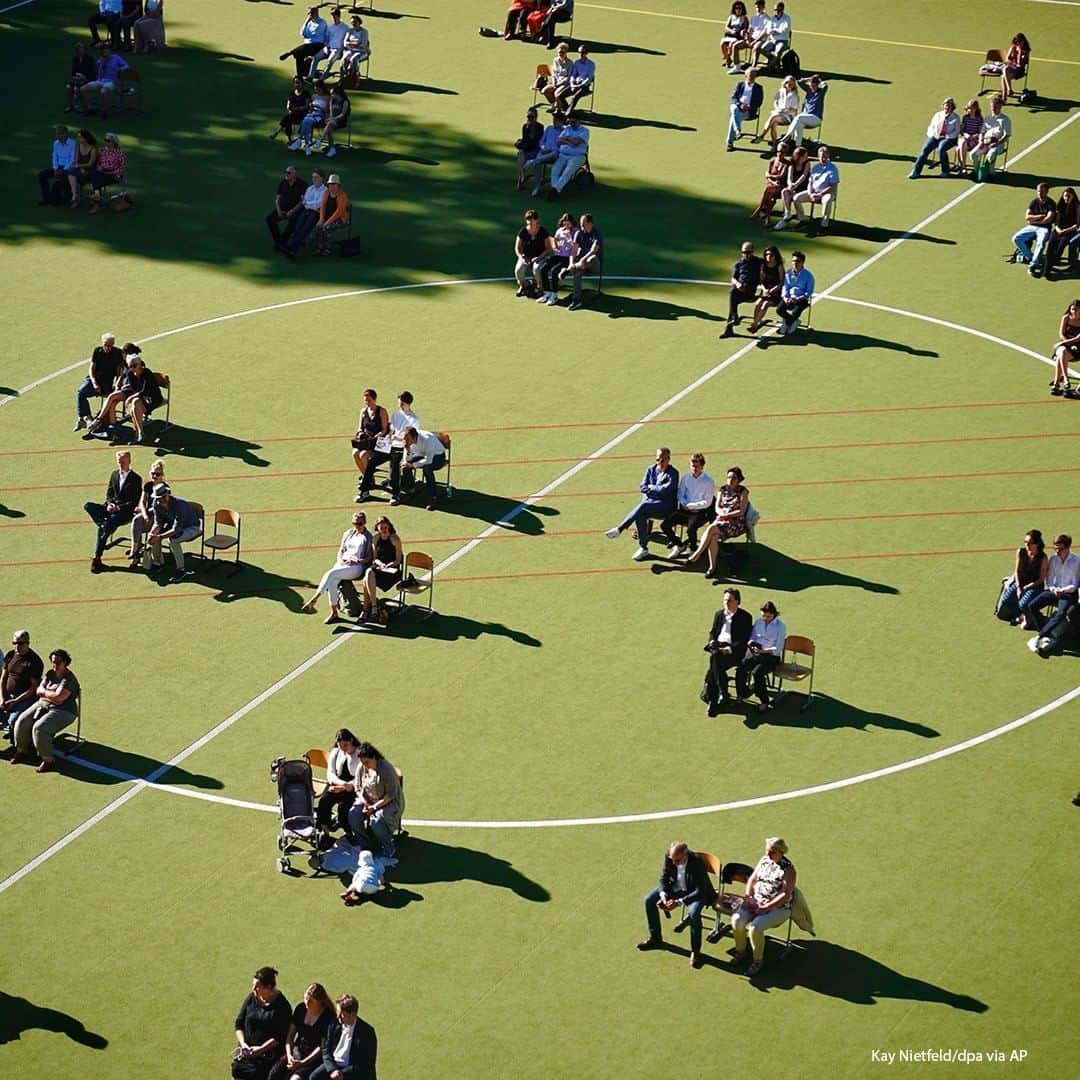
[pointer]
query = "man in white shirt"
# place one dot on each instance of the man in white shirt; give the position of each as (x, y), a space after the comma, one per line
(309, 216)
(756, 33)
(350, 1048)
(573, 144)
(425, 452)
(1062, 587)
(997, 129)
(696, 493)
(821, 190)
(334, 47)
(63, 163)
(763, 655)
(391, 449)
(777, 35)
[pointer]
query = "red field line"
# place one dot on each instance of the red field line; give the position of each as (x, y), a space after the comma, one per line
(573, 424)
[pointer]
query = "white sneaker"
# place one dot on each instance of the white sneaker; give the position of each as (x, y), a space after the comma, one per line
(782, 224)
(613, 534)
(553, 299)
(1033, 644)
(307, 150)
(641, 554)
(331, 152)
(294, 145)
(319, 144)
(825, 223)
(542, 298)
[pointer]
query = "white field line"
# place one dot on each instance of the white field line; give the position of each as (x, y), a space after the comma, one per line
(13, 7)
(573, 471)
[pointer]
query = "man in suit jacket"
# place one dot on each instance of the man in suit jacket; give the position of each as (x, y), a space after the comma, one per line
(350, 1046)
(746, 101)
(121, 497)
(683, 879)
(726, 646)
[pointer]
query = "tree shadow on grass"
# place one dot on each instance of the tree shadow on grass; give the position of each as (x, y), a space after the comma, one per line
(444, 627)
(847, 76)
(18, 1014)
(481, 506)
(9, 512)
(198, 443)
(426, 861)
(878, 234)
(846, 342)
(636, 307)
(830, 714)
(248, 583)
(122, 766)
(383, 86)
(836, 971)
(620, 123)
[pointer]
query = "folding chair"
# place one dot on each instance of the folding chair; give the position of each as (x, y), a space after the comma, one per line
(727, 902)
(712, 867)
(992, 68)
(541, 69)
(222, 541)
(74, 737)
(792, 671)
(317, 759)
(411, 585)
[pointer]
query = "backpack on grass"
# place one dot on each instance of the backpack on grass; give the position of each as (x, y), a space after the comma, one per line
(790, 64)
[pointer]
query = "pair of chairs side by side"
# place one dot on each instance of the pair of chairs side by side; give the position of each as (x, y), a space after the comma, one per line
(225, 537)
(318, 758)
(417, 579)
(447, 485)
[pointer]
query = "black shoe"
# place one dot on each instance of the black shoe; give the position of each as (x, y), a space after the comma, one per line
(650, 943)
(730, 148)
(574, 305)
(728, 332)
(716, 934)
(284, 56)
(522, 291)
(177, 577)
(714, 709)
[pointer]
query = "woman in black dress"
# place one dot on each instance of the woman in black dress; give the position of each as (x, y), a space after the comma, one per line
(261, 1026)
(311, 1021)
(372, 425)
(528, 144)
(385, 570)
(772, 278)
(296, 107)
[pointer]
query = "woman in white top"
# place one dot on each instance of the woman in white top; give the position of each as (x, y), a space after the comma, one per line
(342, 765)
(785, 109)
(734, 32)
(561, 68)
(763, 655)
(354, 555)
(767, 902)
(565, 251)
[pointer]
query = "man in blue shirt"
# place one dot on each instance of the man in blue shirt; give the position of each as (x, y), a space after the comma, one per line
(820, 190)
(315, 33)
(813, 110)
(176, 521)
(582, 76)
(659, 493)
(546, 153)
(109, 66)
(795, 293)
(108, 14)
(63, 162)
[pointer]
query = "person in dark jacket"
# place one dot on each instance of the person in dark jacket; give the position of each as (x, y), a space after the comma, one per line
(350, 1046)
(684, 879)
(121, 498)
(262, 1025)
(728, 638)
(745, 278)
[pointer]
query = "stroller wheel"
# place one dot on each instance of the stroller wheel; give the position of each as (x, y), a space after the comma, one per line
(281, 843)
(284, 865)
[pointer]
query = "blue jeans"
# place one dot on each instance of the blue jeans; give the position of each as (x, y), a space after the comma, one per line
(1010, 603)
(639, 517)
(377, 825)
(1040, 234)
(429, 471)
(1055, 621)
(309, 124)
(737, 117)
(1033, 602)
(943, 146)
(82, 398)
(693, 914)
(15, 712)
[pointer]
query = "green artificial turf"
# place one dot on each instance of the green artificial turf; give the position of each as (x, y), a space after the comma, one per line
(896, 462)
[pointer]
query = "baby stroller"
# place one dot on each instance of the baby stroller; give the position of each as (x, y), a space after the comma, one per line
(296, 806)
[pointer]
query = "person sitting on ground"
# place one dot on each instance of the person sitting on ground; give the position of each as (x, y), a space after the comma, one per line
(756, 32)
(729, 520)
(693, 506)
(813, 109)
(131, 12)
(942, 134)
(296, 108)
(111, 169)
(354, 557)
(83, 70)
(1028, 577)
(795, 294)
(350, 1048)
(767, 903)
(997, 128)
(288, 202)
(357, 48)
(573, 144)
(587, 259)
(137, 388)
(659, 499)
(563, 254)
(764, 652)
(423, 451)
(262, 1026)
(333, 49)
(342, 765)
(150, 29)
(582, 77)
(143, 517)
(528, 146)
(108, 15)
(729, 636)
(175, 520)
(770, 287)
(19, 679)
(106, 78)
(777, 37)
(557, 89)
(56, 707)
(314, 33)
(376, 813)
(684, 879)
(734, 33)
(775, 180)
(310, 1024)
(340, 111)
(1067, 351)
(971, 126)
(309, 216)
(105, 364)
(560, 11)
(1016, 63)
(1065, 234)
(63, 163)
(744, 282)
(746, 101)
(820, 190)
(1062, 586)
(547, 153)
(318, 110)
(121, 498)
(1040, 216)
(785, 109)
(532, 245)
(392, 450)
(372, 425)
(334, 213)
(385, 570)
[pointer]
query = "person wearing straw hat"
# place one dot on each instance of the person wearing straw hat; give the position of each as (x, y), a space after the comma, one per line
(333, 214)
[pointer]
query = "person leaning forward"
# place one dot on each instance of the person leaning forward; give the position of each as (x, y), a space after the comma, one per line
(728, 638)
(121, 497)
(684, 879)
(745, 278)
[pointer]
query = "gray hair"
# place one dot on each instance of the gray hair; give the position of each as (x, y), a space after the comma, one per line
(21, 635)
(777, 842)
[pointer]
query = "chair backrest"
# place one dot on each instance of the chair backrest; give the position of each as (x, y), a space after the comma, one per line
(317, 757)
(543, 69)
(198, 508)
(736, 872)
(162, 380)
(995, 56)
(227, 517)
(797, 644)
(711, 861)
(418, 560)
(129, 74)
(444, 438)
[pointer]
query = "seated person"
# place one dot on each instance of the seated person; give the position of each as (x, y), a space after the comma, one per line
(108, 15)
(1065, 234)
(942, 134)
(175, 520)
(425, 452)
(318, 110)
(547, 153)
(376, 813)
(582, 77)
(310, 1024)
(659, 495)
(313, 31)
(770, 286)
(56, 708)
(528, 145)
(106, 78)
(684, 879)
(775, 181)
(813, 110)
(19, 679)
(728, 639)
(288, 202)
(353, 559)
(785, 109)
(745, 278)
(106, 364)
(694, 503)
(729, 520)
(777, 37)
(1016, 63)
(385, 569)
(532, 246)
(86, 159)
(557, 89)
(746, 101)
(111, 169)
(820, 190)
(350, 1047)
(563, 254)
(372, 425)
(143, 517)
(795, 294)
(798, 176)
(1054, 632)
(137, 388)
(121, 498)
(997, 128)
(767, 903)
(764, 653)
(296, 108)
(971, 126)
(734, 33)
(516, 15)
(392, 450)
(340, 110)
(1067, 351)
(1040, 216)
(587, 259)
(131, 12)
(333, 49)
(309, 216)
(342, 765)
(262, 1026)
(560, 11)
(1062, 585)
(334, 213)
(756, 32)
(357, 47)
(83, 70)
(150, 29)
(64, 150)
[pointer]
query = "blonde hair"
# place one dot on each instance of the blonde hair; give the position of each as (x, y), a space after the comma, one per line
(777, 842)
